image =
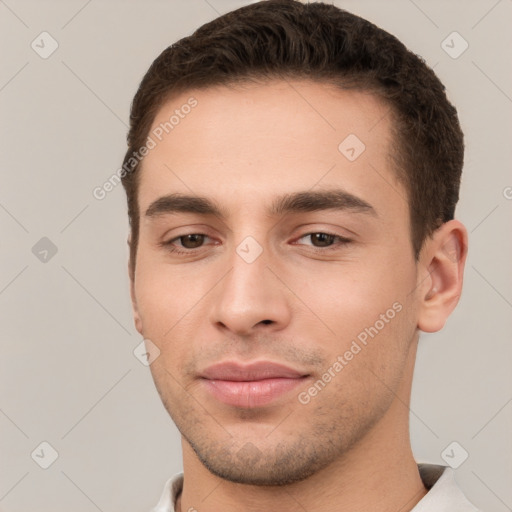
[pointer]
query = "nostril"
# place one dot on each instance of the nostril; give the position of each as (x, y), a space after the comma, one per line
(266, 322)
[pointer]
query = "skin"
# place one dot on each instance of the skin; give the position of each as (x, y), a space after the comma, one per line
(349, 447)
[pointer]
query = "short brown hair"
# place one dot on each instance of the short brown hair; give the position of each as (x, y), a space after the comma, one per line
(276, 39)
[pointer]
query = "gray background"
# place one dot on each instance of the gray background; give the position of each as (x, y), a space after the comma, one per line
(68, 374)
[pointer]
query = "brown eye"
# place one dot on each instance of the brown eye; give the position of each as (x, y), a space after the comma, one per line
(190, 244)
(192, 241)
(323, 242)
(324, 239)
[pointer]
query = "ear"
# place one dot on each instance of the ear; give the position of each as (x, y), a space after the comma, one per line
(131, 273)
(442, 261)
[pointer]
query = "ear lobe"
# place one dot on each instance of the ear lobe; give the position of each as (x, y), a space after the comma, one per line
(440, 287)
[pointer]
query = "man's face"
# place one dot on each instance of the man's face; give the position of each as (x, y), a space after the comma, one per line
(275, 286)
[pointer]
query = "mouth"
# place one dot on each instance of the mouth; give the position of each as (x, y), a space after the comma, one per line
(251, 385)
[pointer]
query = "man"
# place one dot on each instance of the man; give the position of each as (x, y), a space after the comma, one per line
(292, 176)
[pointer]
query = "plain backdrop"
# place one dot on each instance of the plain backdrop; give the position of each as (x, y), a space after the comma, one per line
(68, 374)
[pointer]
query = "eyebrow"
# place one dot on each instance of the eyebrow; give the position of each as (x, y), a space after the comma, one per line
(296, 202)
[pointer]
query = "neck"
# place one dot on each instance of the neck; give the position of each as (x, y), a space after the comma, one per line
(379, 473)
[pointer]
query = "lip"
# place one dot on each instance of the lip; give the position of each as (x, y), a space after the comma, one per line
(250, 385)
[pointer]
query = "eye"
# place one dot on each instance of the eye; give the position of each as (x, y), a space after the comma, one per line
(188, 242)
(325, 241)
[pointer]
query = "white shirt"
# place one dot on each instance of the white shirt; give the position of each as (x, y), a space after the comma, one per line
(443, 493)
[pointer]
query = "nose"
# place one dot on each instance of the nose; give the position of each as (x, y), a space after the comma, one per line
(251, 297)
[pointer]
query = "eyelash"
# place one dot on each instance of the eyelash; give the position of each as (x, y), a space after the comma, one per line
(169, 245)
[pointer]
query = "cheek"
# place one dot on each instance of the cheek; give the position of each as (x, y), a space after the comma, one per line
(153, 297)
(164, 292)
(364, 314)
(171, 304)
(347, 298)
(366, 356)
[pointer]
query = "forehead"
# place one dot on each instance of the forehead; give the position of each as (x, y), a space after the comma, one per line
(253, 142)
